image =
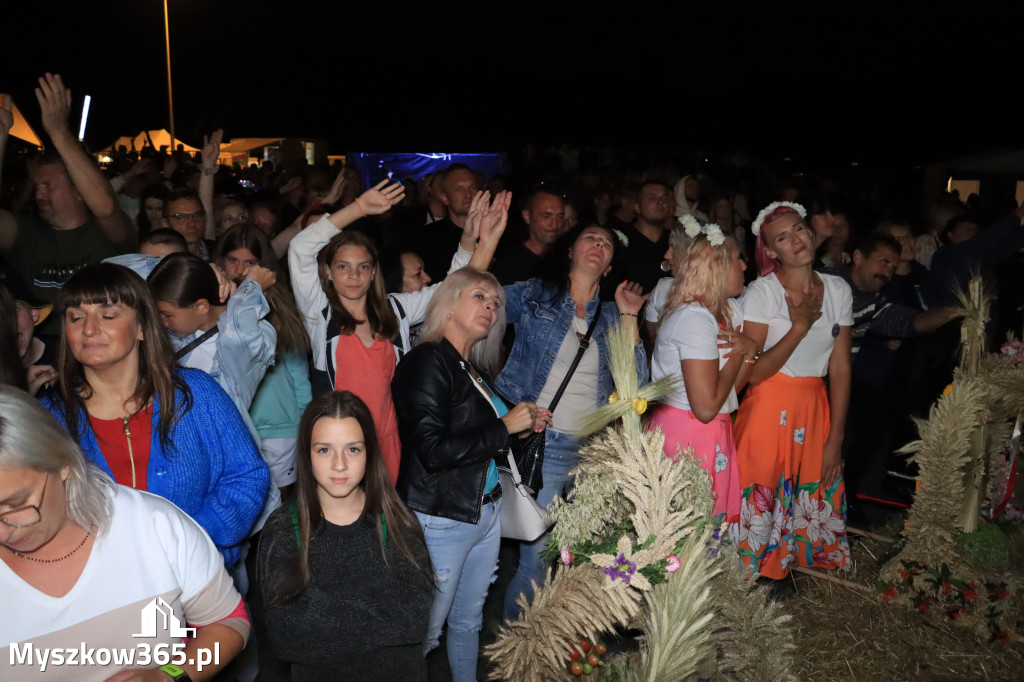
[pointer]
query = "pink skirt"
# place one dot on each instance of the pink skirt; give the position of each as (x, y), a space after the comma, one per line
(712, 445)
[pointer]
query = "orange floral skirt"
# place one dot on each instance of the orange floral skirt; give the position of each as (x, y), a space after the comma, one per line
(786, 517)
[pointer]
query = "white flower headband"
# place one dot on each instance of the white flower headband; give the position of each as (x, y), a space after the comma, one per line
(755, 227)
(693, 228)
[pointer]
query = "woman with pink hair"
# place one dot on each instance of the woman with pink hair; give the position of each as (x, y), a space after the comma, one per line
(789, 429)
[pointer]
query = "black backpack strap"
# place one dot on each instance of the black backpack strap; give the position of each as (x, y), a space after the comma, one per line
(195, 343)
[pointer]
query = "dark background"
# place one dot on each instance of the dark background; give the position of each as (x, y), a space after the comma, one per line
(850, 81)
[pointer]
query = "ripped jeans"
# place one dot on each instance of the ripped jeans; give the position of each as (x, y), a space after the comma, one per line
(465, 558)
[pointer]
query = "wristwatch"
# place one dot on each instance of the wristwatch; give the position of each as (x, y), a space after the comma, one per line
(176, 673)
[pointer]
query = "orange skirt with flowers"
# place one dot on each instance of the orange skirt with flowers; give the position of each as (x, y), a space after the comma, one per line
(786, 517)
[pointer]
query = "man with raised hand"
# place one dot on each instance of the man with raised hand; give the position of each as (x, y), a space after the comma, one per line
(436, 242)
(544, 215)
(80, 221)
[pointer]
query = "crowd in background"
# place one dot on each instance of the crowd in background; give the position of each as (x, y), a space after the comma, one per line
(325, 369)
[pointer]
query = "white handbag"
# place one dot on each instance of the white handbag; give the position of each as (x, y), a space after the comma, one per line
(521, 517)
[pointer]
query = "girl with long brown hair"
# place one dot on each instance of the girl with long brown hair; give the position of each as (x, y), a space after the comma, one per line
(344, 552)
(358, 332)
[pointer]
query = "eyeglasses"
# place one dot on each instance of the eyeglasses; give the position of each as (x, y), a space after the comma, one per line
(27, 515)
(198, 215)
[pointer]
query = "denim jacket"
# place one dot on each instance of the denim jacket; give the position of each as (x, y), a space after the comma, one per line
(541, 323)
(245, 346)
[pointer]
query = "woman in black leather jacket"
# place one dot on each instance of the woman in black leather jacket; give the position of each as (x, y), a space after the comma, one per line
(453, 427)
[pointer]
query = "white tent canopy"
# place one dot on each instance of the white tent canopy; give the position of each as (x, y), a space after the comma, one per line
(159, 138)
(22, 130)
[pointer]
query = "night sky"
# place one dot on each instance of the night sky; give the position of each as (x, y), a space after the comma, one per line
(900, 81)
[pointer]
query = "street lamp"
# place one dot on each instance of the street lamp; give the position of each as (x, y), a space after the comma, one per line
(170, 92)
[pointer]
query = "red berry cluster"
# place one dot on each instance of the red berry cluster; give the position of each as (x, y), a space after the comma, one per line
(579, 665)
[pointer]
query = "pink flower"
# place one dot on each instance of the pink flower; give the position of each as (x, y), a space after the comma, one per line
(822, 559)
(673, 563)
(567, 556)
(764, 497)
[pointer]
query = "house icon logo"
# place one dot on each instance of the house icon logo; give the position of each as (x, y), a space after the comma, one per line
(158, 615)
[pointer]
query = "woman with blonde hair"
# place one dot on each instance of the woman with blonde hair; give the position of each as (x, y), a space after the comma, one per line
(453, 427)
(700, 341)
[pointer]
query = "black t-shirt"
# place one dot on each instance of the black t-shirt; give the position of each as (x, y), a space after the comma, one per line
(436, 244)
(516, 264)
(45, 257)
(643, 258)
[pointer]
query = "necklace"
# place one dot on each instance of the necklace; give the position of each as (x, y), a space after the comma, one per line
(51, 561)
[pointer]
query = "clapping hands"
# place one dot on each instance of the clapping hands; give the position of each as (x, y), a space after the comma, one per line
(54, 103)
(487, 219)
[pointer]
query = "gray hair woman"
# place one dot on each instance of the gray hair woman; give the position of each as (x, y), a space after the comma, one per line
(453, 426)
(68, 532)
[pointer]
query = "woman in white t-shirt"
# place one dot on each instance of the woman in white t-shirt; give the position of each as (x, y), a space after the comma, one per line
(700, 342)
(789, 433)
(99, 576)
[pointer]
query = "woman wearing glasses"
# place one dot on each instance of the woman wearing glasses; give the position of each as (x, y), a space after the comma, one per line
(83, 561)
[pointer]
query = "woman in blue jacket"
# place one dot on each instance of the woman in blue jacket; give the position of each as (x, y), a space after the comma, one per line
(551, 316)
(150, 425)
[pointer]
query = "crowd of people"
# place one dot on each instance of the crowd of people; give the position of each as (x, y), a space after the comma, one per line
(326, 373)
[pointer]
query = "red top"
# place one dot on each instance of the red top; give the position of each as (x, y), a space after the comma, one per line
(367, 372)
(127, 465)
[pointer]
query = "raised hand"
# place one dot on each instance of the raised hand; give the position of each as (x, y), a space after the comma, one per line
(262, 276)
(292, 185)
(629, 297)
(139, 167)
(6, 114)
(170, 165)
(211, 148)
(477, 207)
(494, 218)
(334, 195)
(380, 198)
(54, 102)
(225, 287)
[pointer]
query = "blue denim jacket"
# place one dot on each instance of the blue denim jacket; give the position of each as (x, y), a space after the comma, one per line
(245, 346)
(541, 323)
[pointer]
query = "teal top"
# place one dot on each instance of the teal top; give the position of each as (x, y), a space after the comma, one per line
(281, 397)
(492, 471)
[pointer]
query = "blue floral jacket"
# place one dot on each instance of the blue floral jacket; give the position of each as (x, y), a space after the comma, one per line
(541, 323)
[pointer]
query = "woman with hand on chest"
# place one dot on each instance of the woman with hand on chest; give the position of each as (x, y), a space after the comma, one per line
(789, 429)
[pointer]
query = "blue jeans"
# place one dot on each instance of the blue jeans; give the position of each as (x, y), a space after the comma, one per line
(561, 454)
(465, 559)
